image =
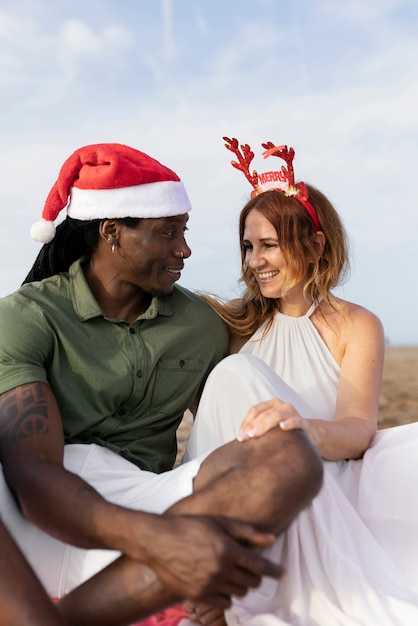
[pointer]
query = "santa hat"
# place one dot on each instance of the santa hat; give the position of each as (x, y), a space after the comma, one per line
(111, 180)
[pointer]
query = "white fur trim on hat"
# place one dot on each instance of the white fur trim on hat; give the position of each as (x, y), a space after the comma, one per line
(152, 200)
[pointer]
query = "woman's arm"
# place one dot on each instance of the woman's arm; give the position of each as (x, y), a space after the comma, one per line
(348, 435)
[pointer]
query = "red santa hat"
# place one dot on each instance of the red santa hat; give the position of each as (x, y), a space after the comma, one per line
(111, 180)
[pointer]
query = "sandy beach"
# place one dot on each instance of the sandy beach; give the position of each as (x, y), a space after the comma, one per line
(398, 402)
(399, 394)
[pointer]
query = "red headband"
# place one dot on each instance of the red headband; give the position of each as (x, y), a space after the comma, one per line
(282, 180)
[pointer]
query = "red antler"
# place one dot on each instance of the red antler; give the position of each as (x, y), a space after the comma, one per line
(283, 153)
(287, 155)
(244, 159)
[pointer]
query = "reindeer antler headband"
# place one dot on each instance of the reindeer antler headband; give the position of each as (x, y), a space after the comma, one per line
(281, 180)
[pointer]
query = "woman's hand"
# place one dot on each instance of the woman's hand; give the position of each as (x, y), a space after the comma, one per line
(267, 415)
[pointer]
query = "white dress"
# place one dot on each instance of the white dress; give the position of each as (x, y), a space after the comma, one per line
(351, 557)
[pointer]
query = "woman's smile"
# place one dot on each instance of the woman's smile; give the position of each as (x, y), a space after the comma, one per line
(264, 276)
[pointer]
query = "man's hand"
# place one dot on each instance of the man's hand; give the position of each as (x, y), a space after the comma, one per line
(210, 559)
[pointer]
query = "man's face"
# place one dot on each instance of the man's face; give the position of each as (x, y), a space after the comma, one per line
(151, 255)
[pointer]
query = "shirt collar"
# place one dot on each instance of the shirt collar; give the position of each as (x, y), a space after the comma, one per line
(87, 307)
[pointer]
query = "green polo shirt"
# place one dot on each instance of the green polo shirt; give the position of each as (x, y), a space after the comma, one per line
(123, 386)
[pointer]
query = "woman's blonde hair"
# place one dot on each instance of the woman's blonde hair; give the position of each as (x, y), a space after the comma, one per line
(299, 246)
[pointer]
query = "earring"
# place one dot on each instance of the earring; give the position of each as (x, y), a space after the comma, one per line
(113, 247)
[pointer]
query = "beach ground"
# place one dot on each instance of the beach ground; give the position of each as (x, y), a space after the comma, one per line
(398, 402)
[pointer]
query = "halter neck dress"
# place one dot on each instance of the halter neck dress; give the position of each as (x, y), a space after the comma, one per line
(351, 557)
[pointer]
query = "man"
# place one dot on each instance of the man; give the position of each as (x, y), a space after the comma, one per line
(100, 355)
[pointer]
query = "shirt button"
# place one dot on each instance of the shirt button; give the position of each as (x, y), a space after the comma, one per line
(132, 330)
(139, 374)
(181, 363)
(122, 412)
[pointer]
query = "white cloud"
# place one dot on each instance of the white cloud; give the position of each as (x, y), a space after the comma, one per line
(357, 13)
(80, 38)
(9, 26)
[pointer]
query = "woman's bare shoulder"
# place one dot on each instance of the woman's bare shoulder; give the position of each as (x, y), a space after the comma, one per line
(354, 314)
(355, 325)
(343, 324)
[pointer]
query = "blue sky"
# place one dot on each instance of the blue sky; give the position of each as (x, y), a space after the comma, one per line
(335, 79)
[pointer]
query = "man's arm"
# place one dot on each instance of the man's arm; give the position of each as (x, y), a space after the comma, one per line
(65, 506)
(31, 448)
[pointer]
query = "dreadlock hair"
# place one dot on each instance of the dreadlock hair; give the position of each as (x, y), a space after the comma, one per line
(296, 237)
(73, 239)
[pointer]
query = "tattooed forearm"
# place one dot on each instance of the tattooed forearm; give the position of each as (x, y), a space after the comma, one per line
(23, 413)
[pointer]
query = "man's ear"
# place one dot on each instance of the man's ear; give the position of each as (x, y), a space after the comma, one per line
(109, 230)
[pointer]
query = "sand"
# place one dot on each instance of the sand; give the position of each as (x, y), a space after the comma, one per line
(398, 403)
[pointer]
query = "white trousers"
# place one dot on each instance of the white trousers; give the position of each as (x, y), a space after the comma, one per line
(61, 567)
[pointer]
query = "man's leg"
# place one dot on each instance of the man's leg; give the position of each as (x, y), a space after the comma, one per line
(265, 481)
(125, 592)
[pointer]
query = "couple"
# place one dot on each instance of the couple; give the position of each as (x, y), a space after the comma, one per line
(106, 356)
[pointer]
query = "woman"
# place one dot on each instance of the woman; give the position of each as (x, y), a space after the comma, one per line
(350, 556)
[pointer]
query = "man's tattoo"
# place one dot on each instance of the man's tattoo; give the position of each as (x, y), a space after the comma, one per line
(23, 413)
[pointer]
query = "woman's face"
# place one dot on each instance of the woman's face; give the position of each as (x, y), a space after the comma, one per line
(263, 254)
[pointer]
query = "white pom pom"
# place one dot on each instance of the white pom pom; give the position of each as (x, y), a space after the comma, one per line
(43, 231)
